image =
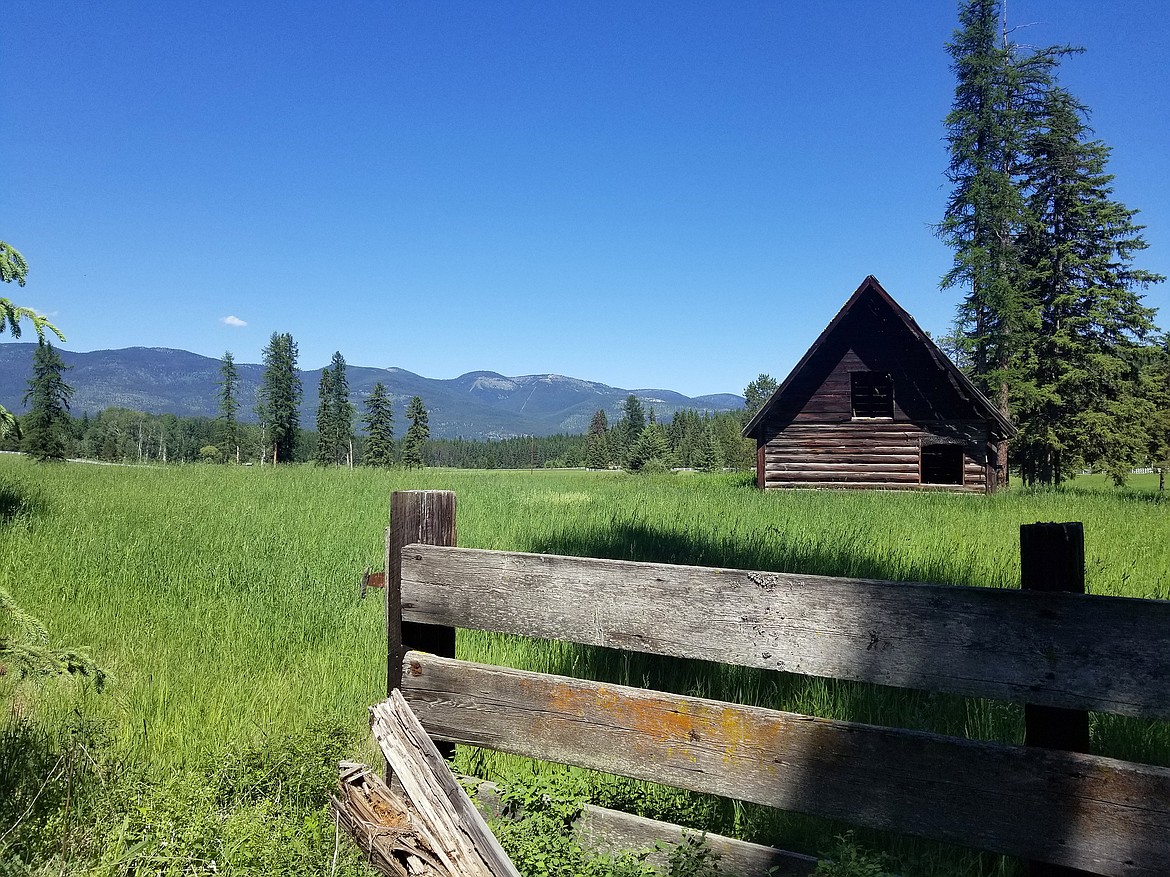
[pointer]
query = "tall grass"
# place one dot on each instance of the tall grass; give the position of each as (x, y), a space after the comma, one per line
(223, 601)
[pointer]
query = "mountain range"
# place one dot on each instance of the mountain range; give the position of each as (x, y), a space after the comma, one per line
(477, 405)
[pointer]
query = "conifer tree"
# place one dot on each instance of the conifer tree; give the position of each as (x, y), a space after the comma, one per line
(280, 396)
(597, 455)
(651, 452)
(629, 428)
(341, 412)
(1051, 320)
(326, 450)
(757, 393)
(710, 452)
(229, 405)
(1157, 376)
(334, 414)
(14, 269)
(417, 433)
(379, 421)
(995, 100)
(1079, 396)
(48, 398)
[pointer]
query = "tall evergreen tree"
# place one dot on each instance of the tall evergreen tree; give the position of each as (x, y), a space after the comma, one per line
(996, 94)
(1158, 383)
(326, 451)
(341, 412)
(597, 454)
(1079, 397)
(710, 451)
(629, 427)
(417, 433)
(229, 405)
(1051, 319)
(379, 421)
(48, 397)
(280, 396)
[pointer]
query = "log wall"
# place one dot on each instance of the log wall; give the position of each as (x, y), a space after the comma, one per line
(870, 453)
(810, 437)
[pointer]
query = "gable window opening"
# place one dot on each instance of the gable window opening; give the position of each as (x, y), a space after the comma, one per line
(872, 394)
(941, 464)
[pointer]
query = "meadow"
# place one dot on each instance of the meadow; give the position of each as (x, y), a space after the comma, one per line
(222, 602)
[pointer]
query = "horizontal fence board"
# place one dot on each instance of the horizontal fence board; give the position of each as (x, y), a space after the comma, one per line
(1102, 815)
(610, 832)
(1065, 650)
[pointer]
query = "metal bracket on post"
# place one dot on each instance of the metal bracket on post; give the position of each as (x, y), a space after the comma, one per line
(370, 580)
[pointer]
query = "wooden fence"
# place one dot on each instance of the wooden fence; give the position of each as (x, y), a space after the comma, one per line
(1061, 654)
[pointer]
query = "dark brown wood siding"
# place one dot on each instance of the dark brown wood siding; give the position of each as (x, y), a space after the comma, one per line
(870, 454)
(809, 436)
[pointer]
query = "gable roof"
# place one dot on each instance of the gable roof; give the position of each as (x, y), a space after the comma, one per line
(961, 383)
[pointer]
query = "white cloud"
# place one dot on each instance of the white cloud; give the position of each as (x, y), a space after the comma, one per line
(232, 321)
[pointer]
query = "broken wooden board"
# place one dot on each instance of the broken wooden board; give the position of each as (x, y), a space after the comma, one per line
(382, 824)
(431, 828)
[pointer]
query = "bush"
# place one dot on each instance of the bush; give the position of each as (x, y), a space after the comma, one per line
(846, 859)
(48, 784)
(261, 809)
(210, 454)
(536, 831)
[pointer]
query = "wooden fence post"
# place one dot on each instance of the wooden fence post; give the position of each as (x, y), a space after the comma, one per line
(1052, 559)
(426, 516)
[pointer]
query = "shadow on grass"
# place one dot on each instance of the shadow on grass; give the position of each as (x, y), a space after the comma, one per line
(1151, 495)
(20, 500)
(44, 778)
(770, 549)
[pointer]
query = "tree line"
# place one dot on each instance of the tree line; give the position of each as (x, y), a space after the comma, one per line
(123, 435)
(1051, 326)
(637, 442)
(48, 431)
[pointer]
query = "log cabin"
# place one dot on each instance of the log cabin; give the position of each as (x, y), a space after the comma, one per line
(874, 403)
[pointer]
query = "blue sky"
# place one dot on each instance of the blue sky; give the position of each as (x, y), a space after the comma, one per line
(676, 195)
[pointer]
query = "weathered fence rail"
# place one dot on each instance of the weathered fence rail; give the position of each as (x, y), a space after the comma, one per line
(1059, 653)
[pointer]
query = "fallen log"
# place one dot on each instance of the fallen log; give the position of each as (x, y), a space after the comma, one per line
(428, 829)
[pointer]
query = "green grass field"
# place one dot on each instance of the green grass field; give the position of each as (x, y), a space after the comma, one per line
(223, 601)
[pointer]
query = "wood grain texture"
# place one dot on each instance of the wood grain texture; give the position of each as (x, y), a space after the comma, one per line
(611, 830)
(383, 825)
(823, 450)
(415, 516)
(455, 832)
(1065, 650)
(1099, 814)
(1052, 558)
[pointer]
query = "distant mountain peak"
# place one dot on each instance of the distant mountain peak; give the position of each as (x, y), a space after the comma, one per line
(475, 405)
